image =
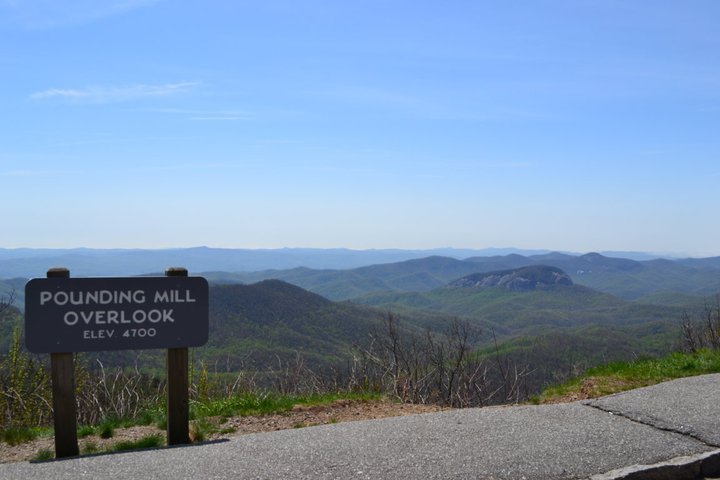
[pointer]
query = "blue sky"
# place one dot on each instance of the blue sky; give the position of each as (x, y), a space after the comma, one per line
(569, 125)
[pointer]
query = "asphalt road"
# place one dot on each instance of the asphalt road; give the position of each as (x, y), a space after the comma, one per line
(567, 441)
(690, 406)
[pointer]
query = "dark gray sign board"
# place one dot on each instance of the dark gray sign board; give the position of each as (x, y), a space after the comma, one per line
(94, 314)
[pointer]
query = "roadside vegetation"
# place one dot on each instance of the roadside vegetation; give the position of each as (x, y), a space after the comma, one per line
(620, 376)
(399, 362)
(112, 399)
(699, 355)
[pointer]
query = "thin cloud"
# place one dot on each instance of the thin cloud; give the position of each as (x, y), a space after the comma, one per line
(113, 94)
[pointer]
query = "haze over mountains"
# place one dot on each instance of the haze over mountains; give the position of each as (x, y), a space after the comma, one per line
(29, 263)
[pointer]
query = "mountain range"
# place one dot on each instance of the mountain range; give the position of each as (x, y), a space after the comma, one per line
(556, 312)
(661, 280)
(29, 263)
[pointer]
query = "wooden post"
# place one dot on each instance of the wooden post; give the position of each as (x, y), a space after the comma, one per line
(178, 406)
(63, 386)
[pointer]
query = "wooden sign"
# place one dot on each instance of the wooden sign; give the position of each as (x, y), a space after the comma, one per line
(98, 314)
(65, 315)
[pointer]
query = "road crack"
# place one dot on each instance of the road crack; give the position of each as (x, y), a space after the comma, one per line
(657, 424)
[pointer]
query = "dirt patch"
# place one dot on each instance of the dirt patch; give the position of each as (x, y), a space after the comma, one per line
(595, 387)
(340, 411)
(300, 416)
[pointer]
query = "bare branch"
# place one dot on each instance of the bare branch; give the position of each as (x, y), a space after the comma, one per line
(7, 301)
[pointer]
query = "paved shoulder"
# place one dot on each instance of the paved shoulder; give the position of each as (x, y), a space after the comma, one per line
(689, 405)
(532, 442)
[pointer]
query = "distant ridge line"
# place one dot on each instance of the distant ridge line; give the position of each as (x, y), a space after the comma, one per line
(29, 262)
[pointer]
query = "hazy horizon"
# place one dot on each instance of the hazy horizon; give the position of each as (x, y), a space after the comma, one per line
(583, 126)
(485, 251)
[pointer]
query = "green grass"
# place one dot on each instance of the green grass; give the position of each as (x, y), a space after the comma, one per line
(620, 376)
(89, 448)
(86, 431)
(43, 455)
(149, 441)
(107, 429)
(156, 416)
(18, 435)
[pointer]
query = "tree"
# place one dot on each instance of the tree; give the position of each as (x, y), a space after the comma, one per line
(439, 367)
(703, 332)
(7, 301)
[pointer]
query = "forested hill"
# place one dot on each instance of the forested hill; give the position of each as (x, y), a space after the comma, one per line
(272, 321)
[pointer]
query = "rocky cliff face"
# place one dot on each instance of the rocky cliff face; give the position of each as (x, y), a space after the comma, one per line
(518, 280)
